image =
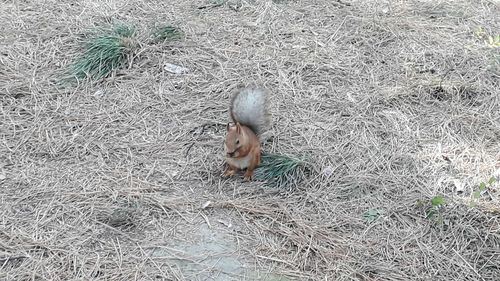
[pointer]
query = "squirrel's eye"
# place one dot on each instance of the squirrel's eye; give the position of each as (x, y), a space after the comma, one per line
(237, 141)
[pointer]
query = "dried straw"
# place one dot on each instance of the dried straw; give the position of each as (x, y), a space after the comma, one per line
(393, 103)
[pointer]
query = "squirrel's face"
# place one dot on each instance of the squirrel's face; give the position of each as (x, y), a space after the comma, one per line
(232, 143)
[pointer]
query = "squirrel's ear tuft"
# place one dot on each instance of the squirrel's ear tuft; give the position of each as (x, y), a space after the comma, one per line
(238, 128)
(228, 126)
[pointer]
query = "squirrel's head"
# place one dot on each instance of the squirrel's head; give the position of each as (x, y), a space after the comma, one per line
(234, 140)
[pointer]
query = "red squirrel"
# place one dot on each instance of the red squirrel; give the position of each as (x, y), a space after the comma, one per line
(250, 118)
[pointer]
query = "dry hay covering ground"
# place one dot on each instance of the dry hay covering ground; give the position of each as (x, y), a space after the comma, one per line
(394, 102)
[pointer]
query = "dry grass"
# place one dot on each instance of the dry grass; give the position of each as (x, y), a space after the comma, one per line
(394, 103)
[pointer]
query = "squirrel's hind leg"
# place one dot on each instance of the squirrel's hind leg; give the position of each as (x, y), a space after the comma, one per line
(253, 164)
(230, 171)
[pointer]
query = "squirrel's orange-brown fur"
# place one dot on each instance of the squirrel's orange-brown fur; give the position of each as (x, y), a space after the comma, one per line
(249, 113)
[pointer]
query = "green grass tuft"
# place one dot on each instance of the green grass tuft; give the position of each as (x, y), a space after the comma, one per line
(166, 33)
(104, 53)
(124, 30)
(281, 171)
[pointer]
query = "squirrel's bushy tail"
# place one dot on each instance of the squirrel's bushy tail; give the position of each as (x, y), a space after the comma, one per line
(249, 107)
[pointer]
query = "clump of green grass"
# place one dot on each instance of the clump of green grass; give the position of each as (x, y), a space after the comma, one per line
(483, 187)
(281, 171)
(437, 203)
(166, 32)
(105, 53)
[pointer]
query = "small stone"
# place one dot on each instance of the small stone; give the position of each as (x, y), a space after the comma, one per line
(172, 68)
(328, 171)
(459, 186)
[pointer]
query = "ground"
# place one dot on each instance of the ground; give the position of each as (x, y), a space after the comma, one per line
(396, 105)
